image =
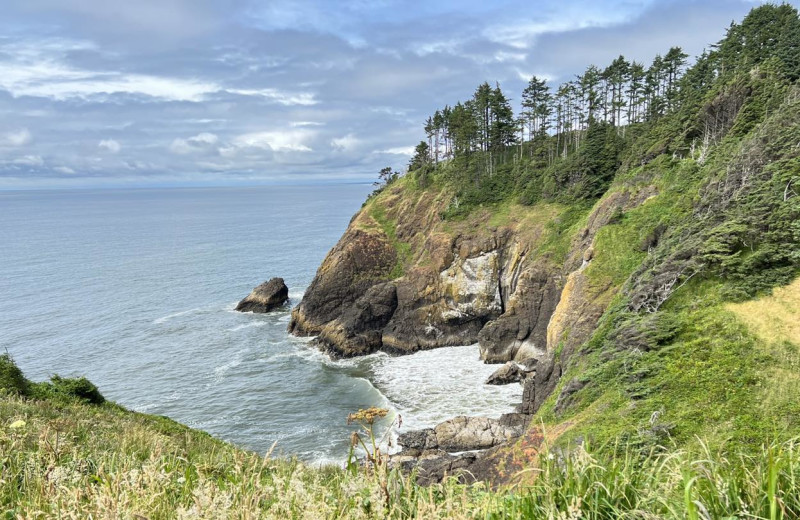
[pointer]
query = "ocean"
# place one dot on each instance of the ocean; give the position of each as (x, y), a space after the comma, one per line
(135, 289)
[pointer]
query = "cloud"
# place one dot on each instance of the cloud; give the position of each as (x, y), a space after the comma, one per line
(282, 98)
(17, 138)
(29, 160)
(109, 145)
(210, 91)
(295, 140)
(198, 143)
(346, 143)
(398, 150)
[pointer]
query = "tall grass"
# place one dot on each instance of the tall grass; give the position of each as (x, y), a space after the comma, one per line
(74, 460)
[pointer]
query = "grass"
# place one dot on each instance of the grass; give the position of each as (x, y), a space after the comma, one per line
(773, 318)
(77, 460)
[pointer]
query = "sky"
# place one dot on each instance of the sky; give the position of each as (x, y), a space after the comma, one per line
(116, 93)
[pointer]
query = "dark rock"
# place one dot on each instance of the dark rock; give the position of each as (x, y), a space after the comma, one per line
(357, 262)
(434, 470)
(266, 297)
(521, 332)
(515, 420)
(529, 365)
(507, 374)
(357, 330)
(528, 397)
(565, 397)
(418, 439)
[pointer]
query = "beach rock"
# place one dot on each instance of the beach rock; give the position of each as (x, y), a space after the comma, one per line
(473, 433)
(418, 440)
(266, 297)
(506, 374)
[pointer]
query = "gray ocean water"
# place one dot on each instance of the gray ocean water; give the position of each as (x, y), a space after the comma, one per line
(135, 290)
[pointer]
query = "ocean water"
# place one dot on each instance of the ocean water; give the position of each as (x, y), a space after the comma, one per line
(135, 290)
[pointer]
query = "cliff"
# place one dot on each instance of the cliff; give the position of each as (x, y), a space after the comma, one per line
(620, 285)
(512, 278)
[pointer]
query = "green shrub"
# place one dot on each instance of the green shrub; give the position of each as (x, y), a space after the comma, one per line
(11, 378)
(69, 388)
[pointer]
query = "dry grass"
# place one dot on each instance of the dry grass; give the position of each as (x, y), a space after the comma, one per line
(774, 318)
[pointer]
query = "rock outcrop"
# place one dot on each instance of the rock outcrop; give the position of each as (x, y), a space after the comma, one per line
(266, 297)
(460, 446)
(402, 280)
(509, 373)
(464, 433)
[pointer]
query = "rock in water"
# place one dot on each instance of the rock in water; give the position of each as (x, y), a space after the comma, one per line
(266, 297)
(509, 373)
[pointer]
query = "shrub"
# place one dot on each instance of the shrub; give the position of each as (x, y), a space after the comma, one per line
(70, 388)
(11, 378)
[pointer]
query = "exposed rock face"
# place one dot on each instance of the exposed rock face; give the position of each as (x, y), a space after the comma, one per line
(464, 433)
(356, 263)
(356, 332)
(565, 398)
(266, 297)
(451, 448)
(509, 373)
(402, 280)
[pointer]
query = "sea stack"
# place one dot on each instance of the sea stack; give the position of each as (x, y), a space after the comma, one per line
(266, 297)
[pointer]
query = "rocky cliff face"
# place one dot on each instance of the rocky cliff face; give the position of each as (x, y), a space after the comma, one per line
(402, 280)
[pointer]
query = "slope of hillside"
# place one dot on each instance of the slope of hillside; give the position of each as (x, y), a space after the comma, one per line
(620, 302)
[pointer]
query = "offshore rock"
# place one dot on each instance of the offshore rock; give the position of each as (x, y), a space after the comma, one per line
(266, 297)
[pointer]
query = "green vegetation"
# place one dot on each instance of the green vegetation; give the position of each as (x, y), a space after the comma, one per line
(695, 173)
(69, 458)
(686, 181)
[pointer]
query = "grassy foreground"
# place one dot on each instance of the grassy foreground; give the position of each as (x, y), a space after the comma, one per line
(63, 457)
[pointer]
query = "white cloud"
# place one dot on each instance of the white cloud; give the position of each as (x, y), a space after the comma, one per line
(197, 143)
(398, 150)
(64, 169)
(523, 33)
(109, 145)
(18, 138)
(47, 77)
(296, 140)
(280, 97)
(29, 160)
(346, 143)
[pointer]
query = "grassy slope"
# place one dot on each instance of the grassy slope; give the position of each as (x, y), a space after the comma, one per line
(65, 458)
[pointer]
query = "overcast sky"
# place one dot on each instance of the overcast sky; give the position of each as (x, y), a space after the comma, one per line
(219, 92)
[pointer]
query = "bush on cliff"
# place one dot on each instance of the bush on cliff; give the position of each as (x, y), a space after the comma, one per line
(12, 381)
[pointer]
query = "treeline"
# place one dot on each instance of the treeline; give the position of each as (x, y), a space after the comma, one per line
(623, 93)
(578, 129)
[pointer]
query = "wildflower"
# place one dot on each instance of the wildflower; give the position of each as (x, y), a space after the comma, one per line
(17, 424)
(367, 416)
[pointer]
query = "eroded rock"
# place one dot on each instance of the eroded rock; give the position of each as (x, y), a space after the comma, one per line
(509, 373)
(266, 297)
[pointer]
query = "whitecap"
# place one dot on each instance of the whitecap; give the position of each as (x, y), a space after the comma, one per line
(165, 319)
(248, 325)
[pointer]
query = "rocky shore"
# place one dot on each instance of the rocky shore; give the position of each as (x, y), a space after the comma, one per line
(401, 280)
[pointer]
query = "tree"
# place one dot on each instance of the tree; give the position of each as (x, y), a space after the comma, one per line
(502, 124)
(421, 157)
(535, 106)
